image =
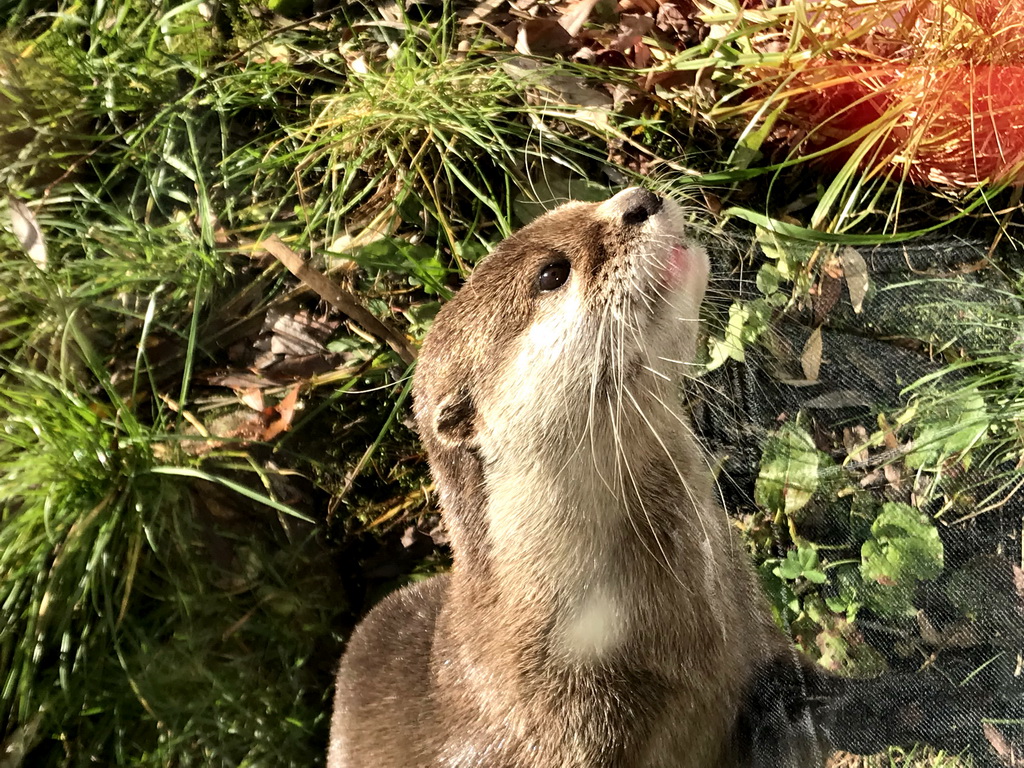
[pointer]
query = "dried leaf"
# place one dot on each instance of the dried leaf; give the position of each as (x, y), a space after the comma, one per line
(634, 28)
(857, 280)
(810, 359)
(573, 20)
(643, 6)
(20, 742)
(302, 368)
(294, 334)
(892, 442)
(893, 476)
(642, 55)
(829, 291)
(833, 267)
(280, 416)
(26, 229)
(252, 398)
(855, 442)
(671, 80)
(999, 744)
(543, 37)
(675, 19)
(482, 10)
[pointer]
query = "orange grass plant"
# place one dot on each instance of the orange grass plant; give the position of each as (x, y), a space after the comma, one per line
(928, 90)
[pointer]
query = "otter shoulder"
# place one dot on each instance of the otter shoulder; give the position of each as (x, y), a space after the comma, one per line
(384, 678)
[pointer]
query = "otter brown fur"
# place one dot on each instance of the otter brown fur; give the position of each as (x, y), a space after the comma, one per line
(600, 611)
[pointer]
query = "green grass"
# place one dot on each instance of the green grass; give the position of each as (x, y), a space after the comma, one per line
(175, 589)
(163, 602)
(134, 603)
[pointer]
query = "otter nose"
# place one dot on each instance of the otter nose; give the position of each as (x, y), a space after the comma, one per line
(634, 205)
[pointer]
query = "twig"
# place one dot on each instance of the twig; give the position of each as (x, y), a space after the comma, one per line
(341, 300)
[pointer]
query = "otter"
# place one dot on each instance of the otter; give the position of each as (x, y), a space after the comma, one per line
(600, 610)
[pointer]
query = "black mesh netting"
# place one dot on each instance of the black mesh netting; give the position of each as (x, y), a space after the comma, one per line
(945, 665)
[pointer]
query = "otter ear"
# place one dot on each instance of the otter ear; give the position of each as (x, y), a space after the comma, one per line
(456, 416)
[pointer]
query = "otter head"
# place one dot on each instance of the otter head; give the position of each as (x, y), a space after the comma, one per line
(586, 305)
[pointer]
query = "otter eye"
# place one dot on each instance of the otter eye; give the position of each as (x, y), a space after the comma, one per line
(553, 275)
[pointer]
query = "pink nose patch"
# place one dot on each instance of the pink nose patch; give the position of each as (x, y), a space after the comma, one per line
(677, 266)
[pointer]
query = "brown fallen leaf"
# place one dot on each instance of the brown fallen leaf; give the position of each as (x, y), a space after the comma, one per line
(572, 20)
(855, 442)
(829, 289)
(543, 37)
(810, 359)
(857, 281)
(303, 367)
(833, 267)
(642, 57)
(680, 20)
(238, 380)
(279, 417)
(252, 398)
(632, 29)
(892, 442)
(296, 333)
(671, 79)
(893, 476)
(1000, 745)
(643, 6)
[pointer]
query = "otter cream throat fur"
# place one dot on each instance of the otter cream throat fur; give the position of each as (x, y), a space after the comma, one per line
(600, 611)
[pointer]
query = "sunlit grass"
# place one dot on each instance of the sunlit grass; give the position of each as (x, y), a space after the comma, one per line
(163, 602)
(163, 599)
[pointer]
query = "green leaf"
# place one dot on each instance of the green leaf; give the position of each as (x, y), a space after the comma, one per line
(784, 602)
(748, 147)
(768, 279)
(801, 563)
(552, 190)
(904, 548)
(419, 262)
(790, 254)
(961, 424)
(842, 649)
(290, 8)
(789, 471)
(789, 568)
(847, 585)
(747, 321)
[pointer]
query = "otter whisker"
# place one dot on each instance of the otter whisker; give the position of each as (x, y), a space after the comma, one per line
(663, 561)
(657, 373)
(684, 363)
(702, 454)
